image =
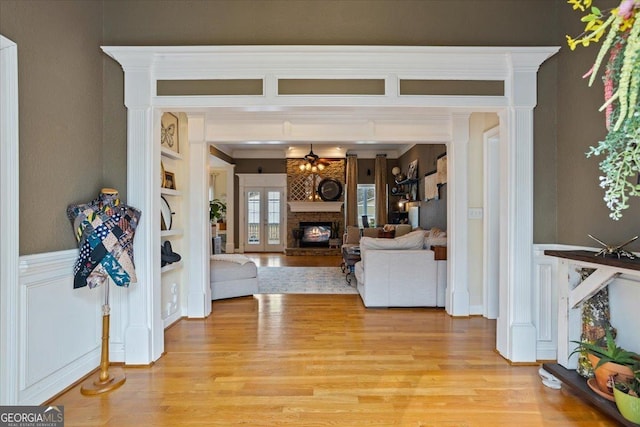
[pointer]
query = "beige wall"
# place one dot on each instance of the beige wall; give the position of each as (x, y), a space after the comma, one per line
(73, 122)
(61, 115)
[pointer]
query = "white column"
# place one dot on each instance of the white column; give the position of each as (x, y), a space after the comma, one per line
(242, 223)
(516, 334)
(198, 262)
(9, 255)
(144, 334)
(457, 302)
(231, 224)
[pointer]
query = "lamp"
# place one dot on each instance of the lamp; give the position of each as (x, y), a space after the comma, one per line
(312, 162)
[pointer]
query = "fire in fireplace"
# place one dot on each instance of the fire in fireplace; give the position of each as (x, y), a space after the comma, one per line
(315, 234)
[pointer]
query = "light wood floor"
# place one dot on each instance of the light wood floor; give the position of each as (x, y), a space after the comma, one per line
(325, 360)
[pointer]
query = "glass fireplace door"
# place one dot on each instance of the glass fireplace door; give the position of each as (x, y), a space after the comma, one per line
(264, 215)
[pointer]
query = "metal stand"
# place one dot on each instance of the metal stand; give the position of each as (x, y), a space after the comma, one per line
(106, 381)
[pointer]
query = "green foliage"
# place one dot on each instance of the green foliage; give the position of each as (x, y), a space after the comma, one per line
(335, 230)
(217, 210)
(621, 147)
(631, 387)
(610, 353)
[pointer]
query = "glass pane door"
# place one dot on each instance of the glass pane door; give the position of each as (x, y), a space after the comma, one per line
(274, 233)
(264, 207)
(254, 220)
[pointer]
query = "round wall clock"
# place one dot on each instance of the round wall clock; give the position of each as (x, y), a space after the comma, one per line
(330, 189)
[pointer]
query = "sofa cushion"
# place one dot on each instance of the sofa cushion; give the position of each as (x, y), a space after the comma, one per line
(413, 240)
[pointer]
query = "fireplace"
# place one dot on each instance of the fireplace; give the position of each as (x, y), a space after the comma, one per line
(315, 234)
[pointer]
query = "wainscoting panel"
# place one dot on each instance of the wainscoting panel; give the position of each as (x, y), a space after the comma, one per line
(546, 302)
(59, 327)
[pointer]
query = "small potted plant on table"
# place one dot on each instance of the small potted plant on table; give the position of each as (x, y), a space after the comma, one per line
(609, 363)
(335, 241)
(627, 395)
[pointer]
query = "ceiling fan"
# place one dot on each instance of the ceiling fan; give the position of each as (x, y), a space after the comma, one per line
(312, 162)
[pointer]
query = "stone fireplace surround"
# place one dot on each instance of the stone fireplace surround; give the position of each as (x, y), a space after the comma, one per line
(315, 210)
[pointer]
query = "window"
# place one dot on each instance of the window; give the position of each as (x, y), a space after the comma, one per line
(367, 203)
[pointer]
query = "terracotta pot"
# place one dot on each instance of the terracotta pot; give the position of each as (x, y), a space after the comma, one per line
(606, 373)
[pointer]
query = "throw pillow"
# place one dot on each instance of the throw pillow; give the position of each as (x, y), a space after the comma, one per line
(434, 237)
(402, 229)
(410, 241)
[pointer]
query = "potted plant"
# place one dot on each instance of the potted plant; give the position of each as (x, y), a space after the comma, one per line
(609, 363)
(217, 211)
(627, 395)
(335, 240)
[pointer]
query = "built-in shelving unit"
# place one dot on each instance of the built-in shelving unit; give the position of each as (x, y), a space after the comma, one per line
(173, 190)
(404, 187)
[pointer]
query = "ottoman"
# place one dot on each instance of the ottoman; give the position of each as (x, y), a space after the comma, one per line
(232, 275)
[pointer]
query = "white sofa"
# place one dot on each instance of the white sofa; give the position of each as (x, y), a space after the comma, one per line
(400, 272)
(232, 275)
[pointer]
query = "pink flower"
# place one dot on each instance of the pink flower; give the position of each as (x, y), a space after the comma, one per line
(626, 8)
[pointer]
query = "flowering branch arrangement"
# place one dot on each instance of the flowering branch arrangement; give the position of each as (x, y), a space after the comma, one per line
(620, 51)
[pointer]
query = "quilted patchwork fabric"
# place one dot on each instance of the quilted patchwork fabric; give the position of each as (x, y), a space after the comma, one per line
(104, 229)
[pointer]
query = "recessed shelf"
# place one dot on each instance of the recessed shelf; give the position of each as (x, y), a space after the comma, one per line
(170, 267)
(166, 152)
(175, 232)
(170, 192)
(407, 181)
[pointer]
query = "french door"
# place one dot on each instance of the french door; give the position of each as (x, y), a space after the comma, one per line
(264, 208)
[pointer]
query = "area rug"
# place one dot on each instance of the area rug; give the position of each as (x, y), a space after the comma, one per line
(303, 280)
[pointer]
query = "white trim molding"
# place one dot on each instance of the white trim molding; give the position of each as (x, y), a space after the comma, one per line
(516, 66)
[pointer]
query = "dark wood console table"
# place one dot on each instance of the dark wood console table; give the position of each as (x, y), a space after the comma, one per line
(570, 298)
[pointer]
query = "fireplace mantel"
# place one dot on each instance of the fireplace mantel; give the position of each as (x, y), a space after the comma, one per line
(315, 206)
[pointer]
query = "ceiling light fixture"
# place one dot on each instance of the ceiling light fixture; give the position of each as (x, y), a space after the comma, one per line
(312, 162)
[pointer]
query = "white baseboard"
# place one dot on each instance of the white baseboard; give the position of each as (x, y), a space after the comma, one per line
(172, 318)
